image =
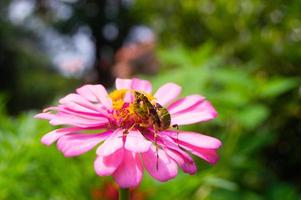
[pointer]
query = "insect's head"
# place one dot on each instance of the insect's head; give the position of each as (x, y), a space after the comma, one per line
(137, 95)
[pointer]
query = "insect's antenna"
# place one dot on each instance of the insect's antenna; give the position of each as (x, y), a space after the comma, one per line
(177, 126)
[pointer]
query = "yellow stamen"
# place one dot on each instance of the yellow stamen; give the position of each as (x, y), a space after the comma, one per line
(117, 97)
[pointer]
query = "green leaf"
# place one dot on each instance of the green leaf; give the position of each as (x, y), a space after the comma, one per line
(251, 116)
(278, 86)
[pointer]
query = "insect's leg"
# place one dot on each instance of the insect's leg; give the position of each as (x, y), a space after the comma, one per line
(126, 131)
(177, 126)
(132, 127)
(157, 149)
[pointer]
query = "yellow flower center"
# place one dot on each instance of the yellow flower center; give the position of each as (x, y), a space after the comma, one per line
(117, 97)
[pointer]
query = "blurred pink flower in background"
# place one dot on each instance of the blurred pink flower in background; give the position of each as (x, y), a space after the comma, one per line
(93, 117)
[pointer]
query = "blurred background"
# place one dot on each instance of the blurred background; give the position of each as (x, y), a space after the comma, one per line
(244, 56)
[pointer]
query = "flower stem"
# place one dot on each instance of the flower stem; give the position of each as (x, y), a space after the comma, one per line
(124, 194)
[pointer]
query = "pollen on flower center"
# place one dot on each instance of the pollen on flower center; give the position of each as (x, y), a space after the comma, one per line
(117, 97)
(124, 110)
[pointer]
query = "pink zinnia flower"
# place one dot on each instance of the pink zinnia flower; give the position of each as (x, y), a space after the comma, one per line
(128, 143)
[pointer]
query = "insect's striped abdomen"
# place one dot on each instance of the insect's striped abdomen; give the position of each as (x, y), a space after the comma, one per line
(164, 116)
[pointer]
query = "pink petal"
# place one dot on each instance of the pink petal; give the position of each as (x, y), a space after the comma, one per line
(172, 144)
(107, 165)
(135, 142)
(201, 112)
(167, 93)
(210, 155)
(195, 139)
(76, 144)
(201, 145)
(112, 144)
(185, 103)
(95, 93)
(73, 98)
(54, 135)
(47, 116)
(187, 166)
(141, 85)
(72, 120)
(79, 114)
(123, 83)
(76, 98)
(74, 112)
(77, 108)
(128, 97)
(130, 172)
(173, 150)
(51, 108)
(163, 168)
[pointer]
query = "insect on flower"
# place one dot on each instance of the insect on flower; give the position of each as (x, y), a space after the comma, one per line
(155, 114)
(133, 130)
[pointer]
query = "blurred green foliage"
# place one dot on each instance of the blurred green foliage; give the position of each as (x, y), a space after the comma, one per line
(245, 102)
(242, 55)
(265, 33)
(29, 170)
